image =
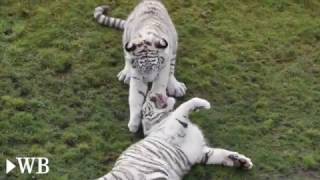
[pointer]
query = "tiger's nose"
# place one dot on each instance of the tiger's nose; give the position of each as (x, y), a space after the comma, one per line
(146, 42)
(165, 105)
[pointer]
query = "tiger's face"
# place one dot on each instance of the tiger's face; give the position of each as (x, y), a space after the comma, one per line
(147, 53)
(155, 109)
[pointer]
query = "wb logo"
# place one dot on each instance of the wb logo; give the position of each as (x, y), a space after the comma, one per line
(26, 165)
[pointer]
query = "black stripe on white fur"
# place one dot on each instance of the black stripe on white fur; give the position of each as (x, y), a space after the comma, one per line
(151, 157)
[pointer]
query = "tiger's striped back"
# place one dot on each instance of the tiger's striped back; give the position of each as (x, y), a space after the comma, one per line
(150, 158)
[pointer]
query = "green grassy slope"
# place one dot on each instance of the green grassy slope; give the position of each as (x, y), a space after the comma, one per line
(256, 61)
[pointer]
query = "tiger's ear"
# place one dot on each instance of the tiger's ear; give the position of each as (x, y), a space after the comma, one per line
(161, 44)
(130, 46)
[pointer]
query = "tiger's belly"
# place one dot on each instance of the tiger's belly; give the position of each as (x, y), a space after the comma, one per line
(152, 158)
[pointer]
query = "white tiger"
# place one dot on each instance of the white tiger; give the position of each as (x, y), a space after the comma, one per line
(173, 144)
(150, 47)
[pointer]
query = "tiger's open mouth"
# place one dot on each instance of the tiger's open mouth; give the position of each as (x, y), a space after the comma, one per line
(159, 100)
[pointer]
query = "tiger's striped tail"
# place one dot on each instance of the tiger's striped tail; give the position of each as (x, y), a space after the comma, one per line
(99, 15)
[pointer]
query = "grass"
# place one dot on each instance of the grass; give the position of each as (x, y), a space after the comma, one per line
(257, 62)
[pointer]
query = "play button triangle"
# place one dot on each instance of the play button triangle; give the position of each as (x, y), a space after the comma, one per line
(9, 166)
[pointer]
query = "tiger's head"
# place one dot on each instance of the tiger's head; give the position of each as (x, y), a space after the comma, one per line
(155, 109)
(147, 53)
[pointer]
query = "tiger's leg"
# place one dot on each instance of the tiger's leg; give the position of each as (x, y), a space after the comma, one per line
(159, 85)
(175, 88)
(186, 108)
(225, 157)
(137, 93)
(124, 74)
(181, 114)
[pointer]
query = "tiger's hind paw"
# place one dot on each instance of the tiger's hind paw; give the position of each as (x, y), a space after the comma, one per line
(241, 161)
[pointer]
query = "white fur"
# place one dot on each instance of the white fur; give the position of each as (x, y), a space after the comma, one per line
(141, 27)
(194, 144)
(148, 22)
(182, 139)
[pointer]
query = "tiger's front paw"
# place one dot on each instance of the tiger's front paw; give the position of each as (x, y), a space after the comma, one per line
(239, 160)
(124, 76)
(176, 88)
(133, 128)
(134, 124)
(200, 103)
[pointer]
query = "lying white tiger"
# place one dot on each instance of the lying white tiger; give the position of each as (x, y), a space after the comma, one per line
(172, 146)
(150, 46)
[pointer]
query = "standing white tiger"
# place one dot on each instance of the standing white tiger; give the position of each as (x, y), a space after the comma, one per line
(173, 145)
(150, 47)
